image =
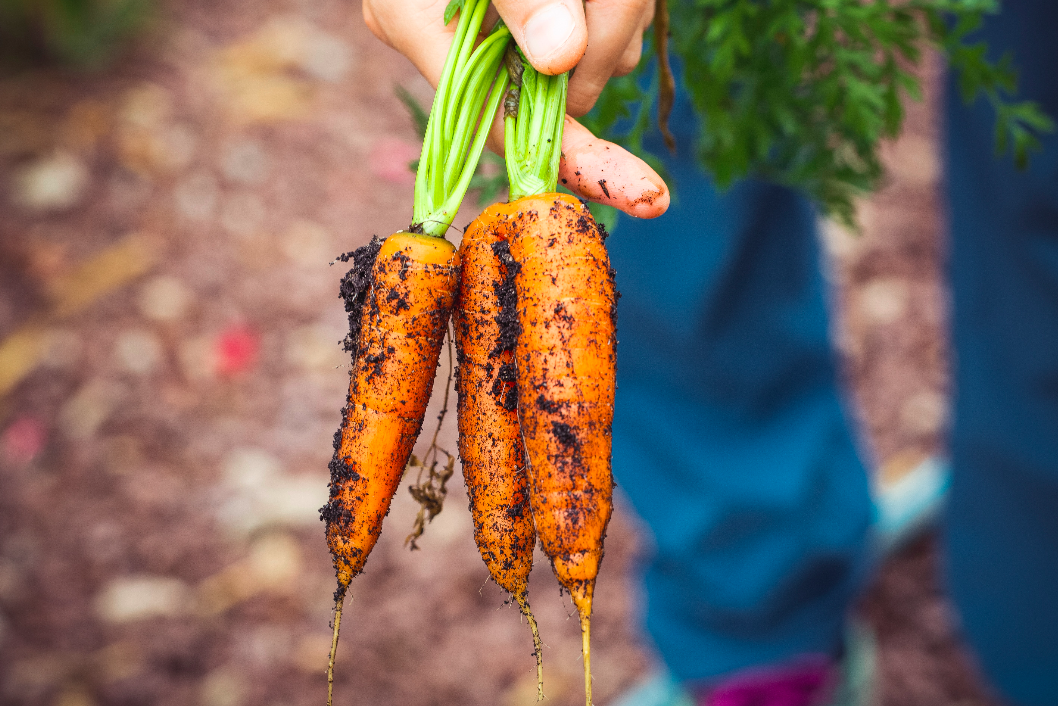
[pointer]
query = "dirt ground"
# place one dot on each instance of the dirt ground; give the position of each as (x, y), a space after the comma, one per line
(170, 378)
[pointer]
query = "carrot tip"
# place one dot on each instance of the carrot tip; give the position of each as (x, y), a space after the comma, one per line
(585, 633)
(339, 601)
(537, 644)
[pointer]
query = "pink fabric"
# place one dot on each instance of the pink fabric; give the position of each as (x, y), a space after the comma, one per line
(809, 682)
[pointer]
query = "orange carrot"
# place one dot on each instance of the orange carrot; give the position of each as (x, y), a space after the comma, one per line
(566, 360)
(399, 302)
(490, 443)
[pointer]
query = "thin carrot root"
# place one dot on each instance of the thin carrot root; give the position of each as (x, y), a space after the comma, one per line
(431, 492)
(523, 603)
(334, 646)
(585, 636)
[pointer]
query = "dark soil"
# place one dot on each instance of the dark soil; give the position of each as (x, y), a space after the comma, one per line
(171, 376)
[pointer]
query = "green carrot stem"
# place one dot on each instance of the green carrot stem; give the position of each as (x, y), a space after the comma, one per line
(439, 220)
(485, 60)
(533, 137)
(457, 128)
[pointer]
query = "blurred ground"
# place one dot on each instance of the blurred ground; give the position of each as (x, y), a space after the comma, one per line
(170, 378)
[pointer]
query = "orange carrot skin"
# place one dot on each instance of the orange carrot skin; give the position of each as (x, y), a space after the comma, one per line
(403, 322)
(566, 358)
(490, 442)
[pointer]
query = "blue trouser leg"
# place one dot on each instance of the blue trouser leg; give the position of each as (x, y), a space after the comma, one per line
(729, 435)
(1002, 522)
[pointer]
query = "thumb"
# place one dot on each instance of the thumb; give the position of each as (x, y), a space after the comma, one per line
(551, 33)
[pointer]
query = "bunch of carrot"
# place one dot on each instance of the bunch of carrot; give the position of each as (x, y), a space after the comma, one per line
(533, 304)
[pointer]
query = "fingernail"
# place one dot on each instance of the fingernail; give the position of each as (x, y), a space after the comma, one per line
(547, 31)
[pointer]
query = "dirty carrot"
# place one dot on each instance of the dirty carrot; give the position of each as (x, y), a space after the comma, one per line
(399, 296)
(402, 294)
(490, 442)
(566, 349)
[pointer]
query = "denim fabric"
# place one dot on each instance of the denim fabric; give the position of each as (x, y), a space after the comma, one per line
(730, 438)
(1002, 520)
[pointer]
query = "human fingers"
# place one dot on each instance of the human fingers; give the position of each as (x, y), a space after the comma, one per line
(416, 29)
(601, 171)
(606, 173)
(552, 33)
(630, 59)
(613, 27)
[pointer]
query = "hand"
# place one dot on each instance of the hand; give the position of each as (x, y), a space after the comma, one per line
(554, 35)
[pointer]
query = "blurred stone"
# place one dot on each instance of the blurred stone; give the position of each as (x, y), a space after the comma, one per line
(273, 566)
(925, 413)
(23, 439)
(897, 466)
(280, 42)
(53, 183)
(146, 106)
(255, 493)
(20, 353)
(316, 348)
(265, 98)
(62, 349)
(86, 411)
(164, 298)
(250, 467)
(74, 695)
(138, 597)
(244, 162)
(884, 300)
(326, 57)
(109, 270)
(223, 687)
(913, 159)
(221, 591)
(161, 149)
(252, 76)
(138, 351)
(196, 196)
(275, 560)
(243, 214)
(308, 244)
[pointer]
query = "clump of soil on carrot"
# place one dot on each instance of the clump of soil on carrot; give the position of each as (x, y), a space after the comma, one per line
(507, 318)
(355, 286)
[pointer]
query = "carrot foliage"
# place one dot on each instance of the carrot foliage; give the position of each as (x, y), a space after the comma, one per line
(802, 91)
(534, 112)
(468, 94)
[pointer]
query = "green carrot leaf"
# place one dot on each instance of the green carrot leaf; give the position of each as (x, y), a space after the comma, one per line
(452, 8)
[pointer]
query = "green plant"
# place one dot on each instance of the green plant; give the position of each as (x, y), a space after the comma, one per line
(802, 91)
(83, 33)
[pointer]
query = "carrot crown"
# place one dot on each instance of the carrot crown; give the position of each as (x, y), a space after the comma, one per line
(468, 94)
(534, 114)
